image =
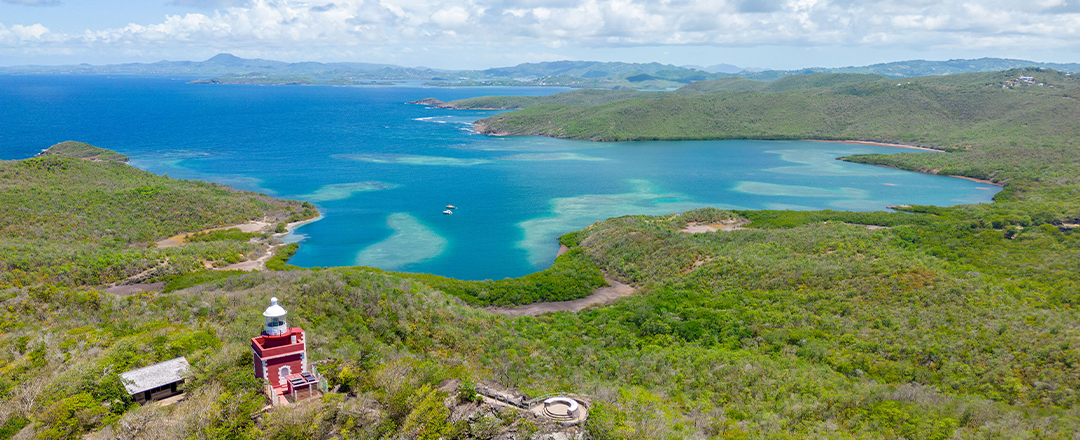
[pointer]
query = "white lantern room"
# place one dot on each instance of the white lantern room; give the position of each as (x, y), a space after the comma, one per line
(275, 319)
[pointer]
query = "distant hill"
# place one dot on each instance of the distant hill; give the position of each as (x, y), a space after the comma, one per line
(786, 83)
(219, 64)
(230, 69)
(581, 69)
(591, 97)
(911, 68)
(945, 111)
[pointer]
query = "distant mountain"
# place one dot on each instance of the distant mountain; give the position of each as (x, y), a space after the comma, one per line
(900, 69)
(723, 68)
(231, 69)
(220, 64)
(580, 69)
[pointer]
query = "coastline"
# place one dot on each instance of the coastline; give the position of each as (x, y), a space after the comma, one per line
(251, 226)
(882, 144)
(988, 182)
(879, 144)
(180, 239)
(482, 128)
(290, 227)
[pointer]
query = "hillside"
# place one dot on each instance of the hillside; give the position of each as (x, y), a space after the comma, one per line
(912, 68)
(955, 111)
(576, 98)
(933, 323)
(82, 150)
(230, 69)
(949, 323)
(596, 97)
(84, 221)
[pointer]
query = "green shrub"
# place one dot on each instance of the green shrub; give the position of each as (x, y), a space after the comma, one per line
(281, 257)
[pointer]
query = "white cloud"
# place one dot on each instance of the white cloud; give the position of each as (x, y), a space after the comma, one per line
(34, 2)
(32, 32)
(210, 3)
(324, 26)
(454, 16)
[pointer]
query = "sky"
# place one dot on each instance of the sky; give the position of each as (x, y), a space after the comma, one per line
(474, 34)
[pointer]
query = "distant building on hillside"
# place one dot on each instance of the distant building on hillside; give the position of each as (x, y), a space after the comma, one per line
(280, 358)
(156, 382)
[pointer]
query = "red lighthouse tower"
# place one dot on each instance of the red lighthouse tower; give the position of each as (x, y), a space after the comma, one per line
(280, 355)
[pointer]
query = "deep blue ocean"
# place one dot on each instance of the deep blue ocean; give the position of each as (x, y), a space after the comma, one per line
(382, 171)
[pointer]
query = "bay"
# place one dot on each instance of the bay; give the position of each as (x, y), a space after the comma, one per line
(382, 171)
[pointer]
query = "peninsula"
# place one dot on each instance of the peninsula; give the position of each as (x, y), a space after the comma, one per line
(934, 322)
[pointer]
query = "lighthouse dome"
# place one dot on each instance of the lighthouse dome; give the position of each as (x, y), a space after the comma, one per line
(274, 311)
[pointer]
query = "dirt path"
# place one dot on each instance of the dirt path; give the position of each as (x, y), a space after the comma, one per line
(135, 288)
(562, 250)
(699, 228)
(177, 240)
(258, 264)
(599, 296)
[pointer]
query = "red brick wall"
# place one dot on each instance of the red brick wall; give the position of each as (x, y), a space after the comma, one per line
(274, 365)
(258, 364)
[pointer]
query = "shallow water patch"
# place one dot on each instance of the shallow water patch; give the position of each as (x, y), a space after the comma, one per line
(341, 191)
(572, 213)
(529, 157)
(411, 159)
(773, 189)
(412, 242)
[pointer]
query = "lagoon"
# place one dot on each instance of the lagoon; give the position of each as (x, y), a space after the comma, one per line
(381, 171)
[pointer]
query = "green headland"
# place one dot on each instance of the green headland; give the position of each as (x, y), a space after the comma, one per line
(930, 323)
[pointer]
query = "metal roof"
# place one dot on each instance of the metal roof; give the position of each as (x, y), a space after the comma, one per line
(274, 311)
(153, 376)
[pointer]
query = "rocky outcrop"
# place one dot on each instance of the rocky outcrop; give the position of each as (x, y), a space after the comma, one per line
(432, 102)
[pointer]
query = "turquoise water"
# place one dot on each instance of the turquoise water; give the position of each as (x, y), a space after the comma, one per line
(382, 171)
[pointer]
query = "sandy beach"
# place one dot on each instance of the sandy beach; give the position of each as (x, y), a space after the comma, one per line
(880, 144)
(978, 180)
(292, 226)
(252, 226)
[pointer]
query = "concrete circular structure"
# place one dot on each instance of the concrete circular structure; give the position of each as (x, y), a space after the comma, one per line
(562, 409)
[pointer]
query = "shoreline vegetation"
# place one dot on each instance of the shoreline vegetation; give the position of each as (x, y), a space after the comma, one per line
(880, 144)
(78, 215)
(952, 112)
(932, 323)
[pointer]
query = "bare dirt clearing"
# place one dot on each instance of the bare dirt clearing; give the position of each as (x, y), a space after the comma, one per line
(177, 240)
(603, 295)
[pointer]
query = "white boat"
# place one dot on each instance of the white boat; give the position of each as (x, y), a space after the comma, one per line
(448, 212)
(451, 207)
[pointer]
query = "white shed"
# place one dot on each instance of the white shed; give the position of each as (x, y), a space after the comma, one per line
(156, 382)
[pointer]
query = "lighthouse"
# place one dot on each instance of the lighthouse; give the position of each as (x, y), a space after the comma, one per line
(280, 356)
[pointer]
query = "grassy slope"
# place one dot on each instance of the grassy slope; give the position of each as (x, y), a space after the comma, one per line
(594, 97)
(573, 276)
(82, 150)
(954, 323)
(951, 111)
(576, 98)
(84, 222)
(931, 329)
